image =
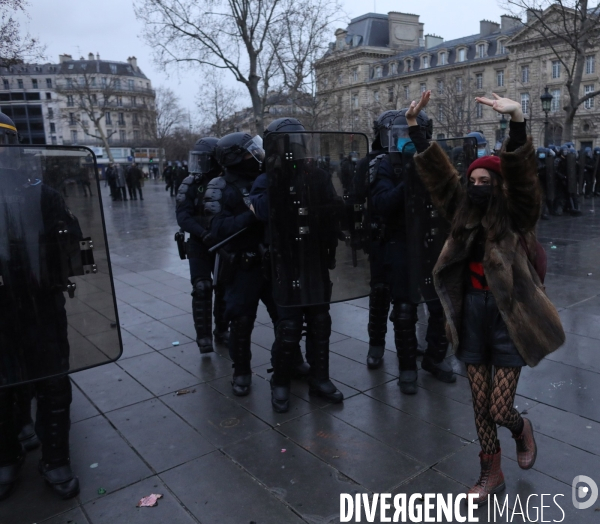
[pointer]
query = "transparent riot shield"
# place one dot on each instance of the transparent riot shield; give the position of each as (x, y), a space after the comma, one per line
(571, 164)
(426, 229)
(56, 290)
(581, 171)
(318, 234)
(550, 181)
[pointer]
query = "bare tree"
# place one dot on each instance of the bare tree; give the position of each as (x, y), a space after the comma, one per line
(222, 34)
(168, 114)
(571, 29)
(455, 109)
(14, 47)
(88, 96)
(217, 105)
(179, 142)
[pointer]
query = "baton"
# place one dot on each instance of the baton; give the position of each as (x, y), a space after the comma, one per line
(226, 241)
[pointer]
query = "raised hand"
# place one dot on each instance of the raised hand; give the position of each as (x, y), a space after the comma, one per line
(503, 106)
(416, 107)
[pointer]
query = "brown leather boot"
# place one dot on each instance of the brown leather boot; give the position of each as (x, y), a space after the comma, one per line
(526, 446)
(491, 479)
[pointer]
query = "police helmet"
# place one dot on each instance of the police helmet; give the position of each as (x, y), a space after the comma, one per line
(588, 152)
(381, 126)
(233, 148)
(597, 151)
(8, 131)
(295, 140)
(482, 144)
(541, 152)
(202, 157)
(281, 125)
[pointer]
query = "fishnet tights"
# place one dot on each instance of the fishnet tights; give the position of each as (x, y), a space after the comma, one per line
(493, 399)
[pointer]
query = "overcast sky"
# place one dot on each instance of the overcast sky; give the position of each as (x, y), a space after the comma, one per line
(109, 27)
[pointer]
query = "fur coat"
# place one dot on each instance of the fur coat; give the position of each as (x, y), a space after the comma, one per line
(532, 320)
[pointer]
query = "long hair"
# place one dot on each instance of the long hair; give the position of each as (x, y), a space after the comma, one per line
(497, 215)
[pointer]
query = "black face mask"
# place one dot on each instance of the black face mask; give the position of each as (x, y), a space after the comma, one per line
(479, 195)
(249, 167)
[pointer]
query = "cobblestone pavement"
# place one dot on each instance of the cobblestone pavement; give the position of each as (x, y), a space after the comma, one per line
(216, 458)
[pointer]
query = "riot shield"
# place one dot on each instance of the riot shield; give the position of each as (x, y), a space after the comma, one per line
(426, 229)
(58, 304)
(571, 165)
(317, 252)
(550, 181)
(581, 171)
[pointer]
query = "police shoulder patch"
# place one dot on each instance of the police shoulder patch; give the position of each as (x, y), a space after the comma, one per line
(374, 167)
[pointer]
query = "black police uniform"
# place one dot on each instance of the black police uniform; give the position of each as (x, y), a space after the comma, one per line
(37, 324)
(190, 214)
(226, 204)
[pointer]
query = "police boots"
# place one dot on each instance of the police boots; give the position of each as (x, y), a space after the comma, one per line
(404, 317)
(287, 337)
(12, 454)
(379, 305)
(437, 345)
(239, 352)
(221, 332)
(27, 436)
(318, 330)
(202, 314)
(53, 424)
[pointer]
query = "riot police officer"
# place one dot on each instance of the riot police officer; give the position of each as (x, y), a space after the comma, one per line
(545, 178)
(33, 325)
(226, 206)
(589, 172)
(288, 329)
(482, 145)
(387, 199)
(190, 213)
(596, 175)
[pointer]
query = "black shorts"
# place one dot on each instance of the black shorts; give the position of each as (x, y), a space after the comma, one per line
(484, 336)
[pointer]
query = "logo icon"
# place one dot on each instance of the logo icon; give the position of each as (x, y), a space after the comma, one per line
(590, 488)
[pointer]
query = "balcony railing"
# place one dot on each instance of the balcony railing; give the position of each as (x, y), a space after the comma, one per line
(64, 86)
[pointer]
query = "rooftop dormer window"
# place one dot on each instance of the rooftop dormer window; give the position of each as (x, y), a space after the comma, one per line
(481, 50)
(425, 62)
(393, 68)
(378, 72)
(461, 54)
(443, 58)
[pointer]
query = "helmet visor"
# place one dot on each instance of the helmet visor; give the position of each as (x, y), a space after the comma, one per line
(255, 148)
(397, 138)
(201, 162)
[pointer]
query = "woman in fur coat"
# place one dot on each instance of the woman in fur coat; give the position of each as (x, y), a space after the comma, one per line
(498, 316)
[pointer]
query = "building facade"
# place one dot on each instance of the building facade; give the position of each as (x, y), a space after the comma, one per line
(75, 102)
(382, 62)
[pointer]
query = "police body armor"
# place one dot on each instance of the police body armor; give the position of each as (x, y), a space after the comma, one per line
(314, 260)
(426, 229)
(47, 252)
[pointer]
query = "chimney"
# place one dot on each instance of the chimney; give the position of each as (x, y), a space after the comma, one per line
(508, 23)
(132, 61)
(90, 56)
(340, 39)
(64, 58)
(486, 27)
(97, 56)
(432, 41)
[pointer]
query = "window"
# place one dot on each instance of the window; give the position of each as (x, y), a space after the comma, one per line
(390, 94)
(130, 85)
(355, 75)
(122, 135)
(479, 80)
(121, 119)
(525, 74)
(378, 72)
(589, 103)
(525, 103)
(54, 141)
(6, 84)
(70, 101)
(462, 54)
(49, 82)
(355, 101)
(500, 78)
(440, 112)
(50, 113)
(72, 119)
(133, 101)
(501, 47)
(119, 100)
(109, 135)
(459, 85)
(408, 66)
(406, 92)
(147, 85)
(424, 62)
(478, 111)
(113, 69)
(117, 83)
(94, 99)
(52, 127)
(440, 87)
(93, 81)
(73, 135)
(555, 69)
(480, 50)
(34, 83)
(108, 118)
(48, 96)
(423, 88)
(376, 96)
(393, 68)
(69, 82)
(135, 117)
(443, 58)
(20, 83)
(136, 134)
(590, 64)
(104, 81)
(555, 105)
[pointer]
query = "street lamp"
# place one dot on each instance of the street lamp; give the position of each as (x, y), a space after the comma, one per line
(503, 125)
(546, 99)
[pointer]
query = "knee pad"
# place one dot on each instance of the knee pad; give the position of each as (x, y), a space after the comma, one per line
(202, 289)
(289, 331)
(404, 314)
(319, 324)
(380, 297)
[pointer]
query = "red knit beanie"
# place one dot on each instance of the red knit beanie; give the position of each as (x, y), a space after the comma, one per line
(491, 163)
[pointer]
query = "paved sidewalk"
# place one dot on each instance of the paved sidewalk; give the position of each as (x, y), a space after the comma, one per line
(217, 458)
